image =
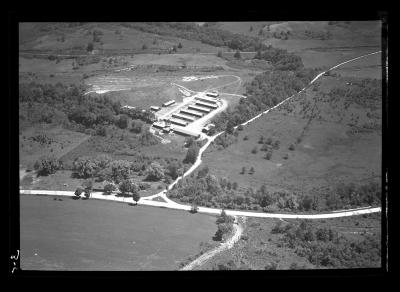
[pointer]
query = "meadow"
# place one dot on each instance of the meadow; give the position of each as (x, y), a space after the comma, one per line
(92, 235)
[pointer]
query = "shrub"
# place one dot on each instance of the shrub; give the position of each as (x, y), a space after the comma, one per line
(237, 55)
(47, 165)
(155, 172)
(191, 154)
(109, 188)
(194, 208)
(276, 144)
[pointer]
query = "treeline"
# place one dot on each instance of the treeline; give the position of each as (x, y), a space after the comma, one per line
(325, 247)
(67, 105)
(264, 91)
(104, 168)
(205, 189)
(280, 58)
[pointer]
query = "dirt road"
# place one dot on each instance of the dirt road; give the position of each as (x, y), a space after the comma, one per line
(238, 231)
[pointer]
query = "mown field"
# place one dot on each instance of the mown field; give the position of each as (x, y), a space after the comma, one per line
(87, 235)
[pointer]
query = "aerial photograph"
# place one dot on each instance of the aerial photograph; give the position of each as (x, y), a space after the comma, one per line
(186, 146)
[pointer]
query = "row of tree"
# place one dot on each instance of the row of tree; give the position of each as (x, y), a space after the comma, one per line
(264, 91)
(205, 189)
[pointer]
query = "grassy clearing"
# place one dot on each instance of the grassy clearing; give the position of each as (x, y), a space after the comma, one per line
(64, 236)
(63, 142)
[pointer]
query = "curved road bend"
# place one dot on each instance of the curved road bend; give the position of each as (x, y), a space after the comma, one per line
(173, 205)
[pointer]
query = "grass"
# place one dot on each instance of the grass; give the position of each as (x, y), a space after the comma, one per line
(327, 153)
(32, 38)
(64, 141)
(96, 235)
(259, 247)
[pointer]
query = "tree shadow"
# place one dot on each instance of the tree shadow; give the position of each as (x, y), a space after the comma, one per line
(75, 198)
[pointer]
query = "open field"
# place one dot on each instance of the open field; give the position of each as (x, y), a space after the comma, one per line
(328, 135)
(116, 37)
(330, 149)
(64, 236)
(62, 141)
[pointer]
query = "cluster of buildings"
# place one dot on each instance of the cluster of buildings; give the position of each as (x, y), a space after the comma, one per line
(177, 122)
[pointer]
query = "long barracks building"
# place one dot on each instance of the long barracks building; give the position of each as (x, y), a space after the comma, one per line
(201, 109)
(209, 105)
(184, 117)
(192, 113)
(206, 99)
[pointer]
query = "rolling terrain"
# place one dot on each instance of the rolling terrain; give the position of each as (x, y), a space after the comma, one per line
(327, 136)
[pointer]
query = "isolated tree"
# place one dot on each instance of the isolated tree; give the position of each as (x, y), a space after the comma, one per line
(191, 154)
(88, 185)
(291, 147)
(269, 141)
(123, 121)
(251, 170)
(276, 144)
(174, 49)
(234, 185)
(78, 192)
(144, 47)
(89, 47)
(219, 54)
(251, 28)
(47, 165)
(223, 229)
(173, 170)
(135, 195)
(243, 170)
(254, 150)
(237, 55)
(180, 46)
(189, 141)
(194, 208)
(264, 147)
(268, 155)
(230, 127)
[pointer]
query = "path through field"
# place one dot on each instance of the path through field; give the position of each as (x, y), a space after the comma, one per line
(173, 205)
(238, 230)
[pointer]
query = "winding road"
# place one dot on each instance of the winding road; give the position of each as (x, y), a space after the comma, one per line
(173, 205)
(238, 229)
